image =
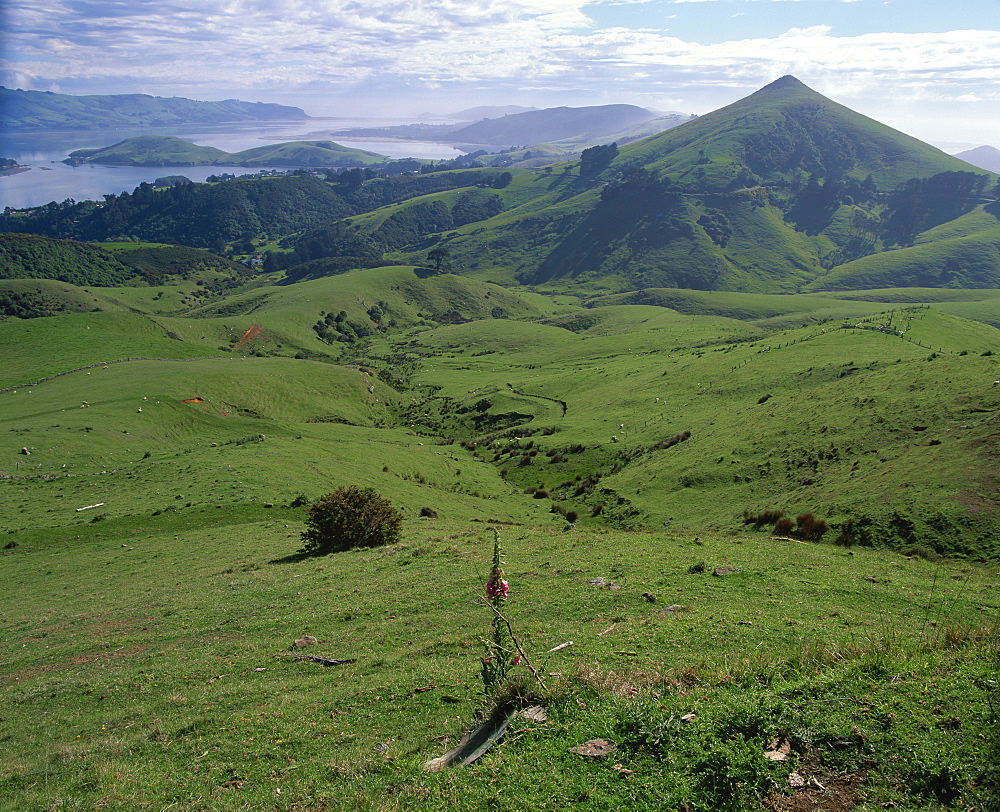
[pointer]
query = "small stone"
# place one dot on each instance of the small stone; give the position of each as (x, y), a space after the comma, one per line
(595, 748)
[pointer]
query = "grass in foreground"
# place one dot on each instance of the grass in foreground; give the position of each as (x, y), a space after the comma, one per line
(147, 668)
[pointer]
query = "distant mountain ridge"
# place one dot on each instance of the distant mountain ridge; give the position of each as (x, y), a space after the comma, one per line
(479, 113)
(34, 110)
(984, 157)
(553, 124)
(523, 129)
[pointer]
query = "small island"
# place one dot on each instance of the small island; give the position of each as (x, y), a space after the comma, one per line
(168, 150)
(8, 166)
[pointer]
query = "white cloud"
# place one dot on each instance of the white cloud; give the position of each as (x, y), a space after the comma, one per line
(381, 49)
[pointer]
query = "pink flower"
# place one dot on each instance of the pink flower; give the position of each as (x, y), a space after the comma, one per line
(517, 660)
(497, 588)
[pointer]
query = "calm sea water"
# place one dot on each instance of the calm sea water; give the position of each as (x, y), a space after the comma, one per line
(49, 179)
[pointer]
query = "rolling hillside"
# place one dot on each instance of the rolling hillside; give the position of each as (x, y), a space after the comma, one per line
(734, 526)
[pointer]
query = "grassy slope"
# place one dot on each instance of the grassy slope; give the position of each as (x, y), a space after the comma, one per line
(40, 347)
(833, 437)
(52, 297)
(961, 253)
(164, 703)
(156, 654)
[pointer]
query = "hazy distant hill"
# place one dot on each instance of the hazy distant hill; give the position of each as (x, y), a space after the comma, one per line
(25, 110)
(479, 113)
(553, 124)
(523, 129)
(495, 111)
(984, 157)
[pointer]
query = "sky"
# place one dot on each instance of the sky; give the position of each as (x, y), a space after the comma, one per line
(928, 67)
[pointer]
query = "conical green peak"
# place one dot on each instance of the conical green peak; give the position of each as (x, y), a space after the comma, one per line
(785, 81)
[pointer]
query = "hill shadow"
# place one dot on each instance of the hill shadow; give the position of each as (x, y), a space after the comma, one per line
(294, 558)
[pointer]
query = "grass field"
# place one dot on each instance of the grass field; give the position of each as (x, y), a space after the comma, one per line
(148, 663)
(154, 592)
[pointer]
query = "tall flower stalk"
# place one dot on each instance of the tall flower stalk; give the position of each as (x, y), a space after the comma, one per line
(499, 651)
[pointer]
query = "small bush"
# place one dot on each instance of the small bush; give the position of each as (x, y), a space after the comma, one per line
(846, 537)
(428, 512)
(572, 516)
(762, 518)
(783, 526)
(348, 518)
(809, 527)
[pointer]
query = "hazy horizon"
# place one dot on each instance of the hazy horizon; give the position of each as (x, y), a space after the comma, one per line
(931, 70)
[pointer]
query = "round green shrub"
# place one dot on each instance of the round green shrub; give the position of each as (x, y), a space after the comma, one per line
(350, 517)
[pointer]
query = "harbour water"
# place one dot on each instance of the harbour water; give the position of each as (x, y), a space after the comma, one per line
(48, 179)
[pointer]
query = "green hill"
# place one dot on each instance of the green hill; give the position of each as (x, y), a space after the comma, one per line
(768, 194)
(167, 150)
(27, 256)
(306, 153)
(149, 150)
(783, 129)
(196, 215)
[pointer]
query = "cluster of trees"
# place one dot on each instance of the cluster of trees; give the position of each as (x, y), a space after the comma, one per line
(923, 203)
(197, 215)
(25, 256)
(344, 239)
(805, 138)
(337, 327)
(220, 215)
(29, 304)
(595, 160)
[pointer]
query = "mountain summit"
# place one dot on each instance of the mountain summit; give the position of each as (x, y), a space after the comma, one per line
(784, 129)
(781, 190)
